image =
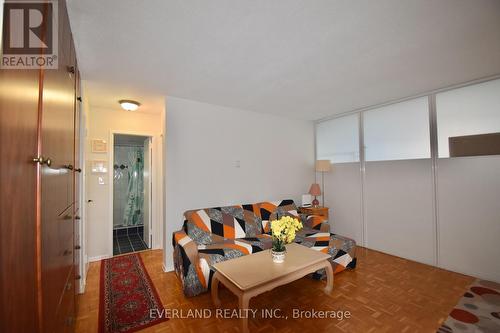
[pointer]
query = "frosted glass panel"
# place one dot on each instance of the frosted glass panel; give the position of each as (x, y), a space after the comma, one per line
(398, 131)
(337, 140)
(467, 111)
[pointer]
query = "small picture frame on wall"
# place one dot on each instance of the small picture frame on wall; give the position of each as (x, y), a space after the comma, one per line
(99, 146)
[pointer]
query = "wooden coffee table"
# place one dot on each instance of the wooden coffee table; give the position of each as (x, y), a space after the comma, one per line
(254, 274)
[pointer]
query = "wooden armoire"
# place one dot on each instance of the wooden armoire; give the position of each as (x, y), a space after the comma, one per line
(39, 115)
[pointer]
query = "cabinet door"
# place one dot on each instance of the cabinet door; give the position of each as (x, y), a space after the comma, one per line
(65, 316)
(57, 210)
(18, 137)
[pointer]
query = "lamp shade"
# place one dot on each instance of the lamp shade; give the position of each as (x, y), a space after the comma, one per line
(315, 190)
(323, 166)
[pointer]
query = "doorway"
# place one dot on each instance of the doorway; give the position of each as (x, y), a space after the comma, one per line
(132, 193)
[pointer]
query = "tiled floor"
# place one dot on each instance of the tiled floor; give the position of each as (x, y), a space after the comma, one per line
(128, 240)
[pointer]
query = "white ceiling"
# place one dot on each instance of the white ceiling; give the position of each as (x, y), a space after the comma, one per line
(305, 59)
(106, 94)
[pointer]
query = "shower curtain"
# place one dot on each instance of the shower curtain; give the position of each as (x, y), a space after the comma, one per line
(135, 200)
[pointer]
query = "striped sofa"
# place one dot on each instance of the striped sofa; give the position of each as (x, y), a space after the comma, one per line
(211, 235)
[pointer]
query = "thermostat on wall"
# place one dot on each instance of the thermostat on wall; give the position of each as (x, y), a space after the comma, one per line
(99, 167)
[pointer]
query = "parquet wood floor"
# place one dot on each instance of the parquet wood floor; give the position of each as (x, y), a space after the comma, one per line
(383, 294)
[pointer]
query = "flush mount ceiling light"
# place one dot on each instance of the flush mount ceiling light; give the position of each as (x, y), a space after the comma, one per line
(129, 105)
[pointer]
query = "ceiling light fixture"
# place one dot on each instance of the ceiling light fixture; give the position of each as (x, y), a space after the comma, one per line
(129, 105)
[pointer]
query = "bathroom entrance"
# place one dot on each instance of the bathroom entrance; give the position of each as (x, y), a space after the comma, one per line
(132, 194)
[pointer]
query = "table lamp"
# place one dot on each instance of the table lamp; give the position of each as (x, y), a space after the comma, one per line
(315, 191)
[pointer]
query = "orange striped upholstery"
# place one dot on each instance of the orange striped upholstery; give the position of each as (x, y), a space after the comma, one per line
(215, 234)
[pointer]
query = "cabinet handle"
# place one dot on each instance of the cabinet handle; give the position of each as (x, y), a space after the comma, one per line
(71, 69)
(79, 98)
(42, 160)
(77, 247)
(78, 277)
(78, 170)
(77, 217)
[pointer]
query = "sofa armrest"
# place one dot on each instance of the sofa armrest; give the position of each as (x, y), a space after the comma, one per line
(182, 242)
(317, 222)
(187, 262)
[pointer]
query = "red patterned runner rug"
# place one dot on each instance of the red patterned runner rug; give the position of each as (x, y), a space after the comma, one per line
(126, 296)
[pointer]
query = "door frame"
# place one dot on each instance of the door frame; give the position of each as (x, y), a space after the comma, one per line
(83, 263)
(154, 222)
(148, 188)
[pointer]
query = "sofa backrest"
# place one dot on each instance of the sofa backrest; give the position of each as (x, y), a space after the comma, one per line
(213, 225)
(272, 210)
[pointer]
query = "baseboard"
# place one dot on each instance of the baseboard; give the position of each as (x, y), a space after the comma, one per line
(82, 286)
(97, 258)
(167, 269)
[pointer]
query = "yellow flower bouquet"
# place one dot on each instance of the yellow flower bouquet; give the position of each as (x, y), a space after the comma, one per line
(283, 232)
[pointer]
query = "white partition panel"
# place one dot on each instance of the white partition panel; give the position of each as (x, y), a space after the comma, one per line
(405, 196)
(469, 215)
(343, 197)
(399, 209)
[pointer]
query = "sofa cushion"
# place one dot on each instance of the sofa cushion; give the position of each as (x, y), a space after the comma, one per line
(246, 245)
(341, 249)
(212, 225)
(272, 210)
(230, 248)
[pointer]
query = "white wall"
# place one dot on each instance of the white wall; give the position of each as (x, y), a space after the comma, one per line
(204, 143)
(101, 123)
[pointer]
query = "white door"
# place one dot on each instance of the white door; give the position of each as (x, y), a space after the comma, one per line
(148, 158)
